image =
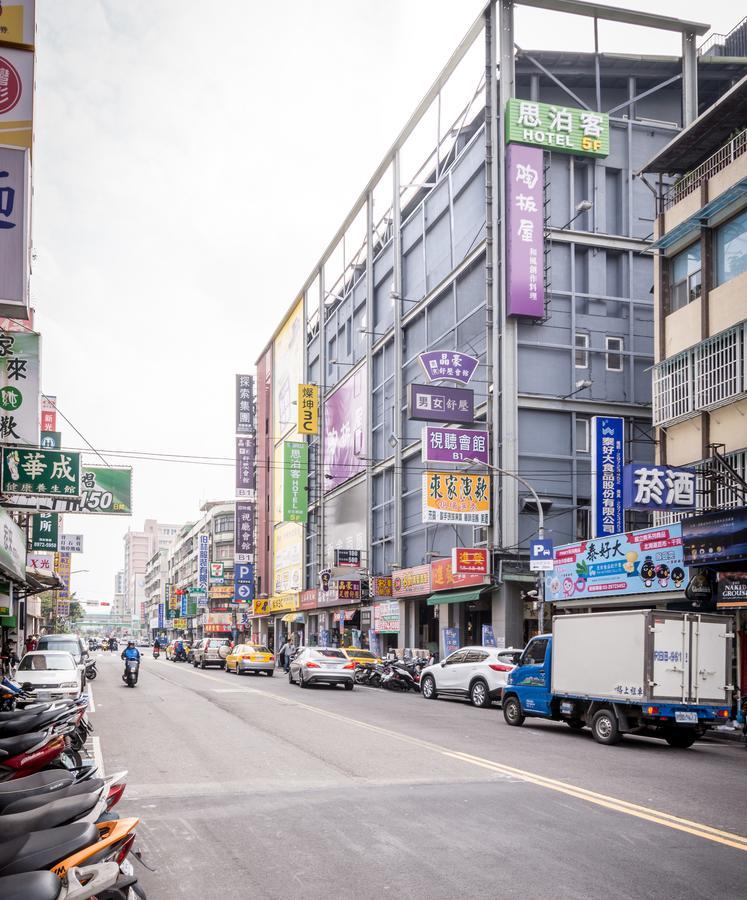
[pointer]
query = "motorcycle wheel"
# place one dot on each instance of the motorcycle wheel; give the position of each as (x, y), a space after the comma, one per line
(91, 675)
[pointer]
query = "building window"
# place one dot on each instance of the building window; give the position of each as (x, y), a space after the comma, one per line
(614, 354)
(731, 248)
(222, 523)
(583, 520)
(582, 434)
(582, 350)
(685, 277)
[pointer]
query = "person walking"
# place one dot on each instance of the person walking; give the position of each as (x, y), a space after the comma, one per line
(284, 655)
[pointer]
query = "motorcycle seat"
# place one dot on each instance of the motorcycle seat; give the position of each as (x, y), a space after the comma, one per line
(30, 886)
(12, 746)
(33, 801)
(41, 781)
(44, 849)
(23, 723)
(49, 815)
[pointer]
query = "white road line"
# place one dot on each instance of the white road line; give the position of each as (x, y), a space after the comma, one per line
(98, 756)
(91, 704)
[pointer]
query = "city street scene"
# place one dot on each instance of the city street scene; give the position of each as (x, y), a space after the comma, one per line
(373, 450)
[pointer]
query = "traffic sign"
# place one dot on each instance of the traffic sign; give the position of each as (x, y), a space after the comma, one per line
(541, 555)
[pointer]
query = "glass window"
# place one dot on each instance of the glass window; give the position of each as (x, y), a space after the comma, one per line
(582, 434)
(476, 656)
(582, 350)
(731, 248)
(459, 657)
(615, 354)
(332, 654)
(535, 652)
(685, 277)
(46, 662)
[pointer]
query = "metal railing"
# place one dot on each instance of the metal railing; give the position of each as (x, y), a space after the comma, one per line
(732, 44)
(714, 488)
(702, 377)
(691, 181)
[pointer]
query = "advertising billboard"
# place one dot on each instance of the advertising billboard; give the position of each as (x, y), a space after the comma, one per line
(607, 459)
(549, 126)
(14, 226)
(345, 522)
(287, 360)
(345, 430)
(17, 22)
(525, 232)
(456, 497)
(288, 558)
(716, 537)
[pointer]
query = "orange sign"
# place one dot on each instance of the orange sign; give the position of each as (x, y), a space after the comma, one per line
(381, 586)
(456, 497)
(470, 560)
(443, 579)
(412, 582)
(261, 607)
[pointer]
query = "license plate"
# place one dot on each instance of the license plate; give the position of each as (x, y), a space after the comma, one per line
(690, 717)
(126, 868)
(566, 708)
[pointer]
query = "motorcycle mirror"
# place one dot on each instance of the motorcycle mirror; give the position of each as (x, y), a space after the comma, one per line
(27, 686)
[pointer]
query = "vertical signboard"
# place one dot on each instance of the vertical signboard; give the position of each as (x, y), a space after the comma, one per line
(45, 532)
(19, 382)
(295, 481)
(161, 622)
(245, 452)
(308, 409)
(202, 562)
(244, 532)
(48, 413)
(345, 430)
(607, 462)
(244, 404)
(14, 224)
(525, 185)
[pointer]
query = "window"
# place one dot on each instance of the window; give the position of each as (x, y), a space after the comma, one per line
(615, 354)
(223, 523)
(582, 434)
(459, 657)
(731, 248)
(535, 653)
(582, 350)
(685, 277)
(476, 656)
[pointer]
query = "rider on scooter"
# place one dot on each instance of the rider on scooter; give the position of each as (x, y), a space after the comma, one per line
(130, 652)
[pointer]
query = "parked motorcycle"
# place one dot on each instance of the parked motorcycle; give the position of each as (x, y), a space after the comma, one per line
(91, 671)
(103, 880)
(132, 668)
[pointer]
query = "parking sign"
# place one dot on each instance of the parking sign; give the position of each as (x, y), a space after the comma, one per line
(540, 555)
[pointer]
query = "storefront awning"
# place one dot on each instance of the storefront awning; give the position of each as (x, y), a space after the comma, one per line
(292, 617)
(457, 596)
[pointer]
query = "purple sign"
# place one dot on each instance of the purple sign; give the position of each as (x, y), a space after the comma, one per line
(345, 430)
(428, 403)
(525, 188)
(245, 485)
(454, 445)
(448, 364)
(243, 536)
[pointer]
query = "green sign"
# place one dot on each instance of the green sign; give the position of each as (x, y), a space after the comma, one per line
(106, 489)
(51, 440)
(295, 481)
(19, 388)
(45, 528)
(52, 473)
(555, 127)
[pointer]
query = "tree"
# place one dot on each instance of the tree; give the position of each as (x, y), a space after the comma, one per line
(52, 622)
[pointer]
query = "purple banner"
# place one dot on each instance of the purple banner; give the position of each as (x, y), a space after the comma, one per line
(428, 403)
(454, 445)
(345, 430)
(243, 539)
(448, 364)
(244, 404)
(245, 485)
(525, 188)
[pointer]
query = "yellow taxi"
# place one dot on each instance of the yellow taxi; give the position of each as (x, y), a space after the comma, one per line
(252, 658)
(358, 655)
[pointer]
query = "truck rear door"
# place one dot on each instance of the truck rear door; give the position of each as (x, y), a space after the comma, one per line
(670, 657)
(710, 656)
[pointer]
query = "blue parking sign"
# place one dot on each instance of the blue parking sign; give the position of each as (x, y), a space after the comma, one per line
(540, 555)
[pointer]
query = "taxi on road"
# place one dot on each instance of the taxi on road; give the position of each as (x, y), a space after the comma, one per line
(252, 658)
(358, 655)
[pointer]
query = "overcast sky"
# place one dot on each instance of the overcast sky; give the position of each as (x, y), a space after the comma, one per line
(192, 160)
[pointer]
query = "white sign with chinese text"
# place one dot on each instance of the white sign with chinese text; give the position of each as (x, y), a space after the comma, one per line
(71, 543)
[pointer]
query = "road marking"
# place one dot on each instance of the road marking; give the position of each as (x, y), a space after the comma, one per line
(98, 756)
(706, 832)
(91, 704)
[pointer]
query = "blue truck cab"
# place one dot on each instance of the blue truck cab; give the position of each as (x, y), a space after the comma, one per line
(610, 674)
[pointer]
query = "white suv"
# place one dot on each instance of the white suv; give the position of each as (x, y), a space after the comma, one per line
(477, 673)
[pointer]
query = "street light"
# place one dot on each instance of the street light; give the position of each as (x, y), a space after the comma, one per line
(79, 571)
(582, 207)
(540, 527)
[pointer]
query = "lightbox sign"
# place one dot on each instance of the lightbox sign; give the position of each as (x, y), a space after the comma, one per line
(658, 487)
(14, 225)
(431, 403)
(550, 126)
(642, 562)
(454, 445)
(716, 537)
(308, 409)
(448, 365)
(607, 457)
(202, 561)
(470, 561)
(525, 232)
(456, 498)
(295, 481)
(19, 381)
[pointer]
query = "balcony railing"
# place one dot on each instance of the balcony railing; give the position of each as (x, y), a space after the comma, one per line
(715, 488)
(702, 377)
(692, 180)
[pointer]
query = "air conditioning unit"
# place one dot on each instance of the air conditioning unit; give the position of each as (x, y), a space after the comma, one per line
(479, 535)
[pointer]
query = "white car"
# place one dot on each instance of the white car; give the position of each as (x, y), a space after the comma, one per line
(477, 673)
(51, 674)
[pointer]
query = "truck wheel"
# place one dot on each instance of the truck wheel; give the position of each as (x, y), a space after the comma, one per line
(479, 695)
(681, 738)
(575, 724)
(604, 727)
(512, 711)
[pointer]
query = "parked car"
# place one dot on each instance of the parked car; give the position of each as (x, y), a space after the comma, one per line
(210, 652)
(52, 674)
(252, 658)
(475, 673)
(358, 655)
(68, 643)
(321, 665)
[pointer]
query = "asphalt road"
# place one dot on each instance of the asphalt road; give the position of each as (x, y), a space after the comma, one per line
(250, 787)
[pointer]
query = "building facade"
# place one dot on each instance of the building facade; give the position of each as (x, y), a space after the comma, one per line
(418, 268)
(139, 547)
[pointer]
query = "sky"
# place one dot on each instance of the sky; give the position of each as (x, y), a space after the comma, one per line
(191, 162)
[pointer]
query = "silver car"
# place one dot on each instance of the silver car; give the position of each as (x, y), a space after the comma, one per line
(321, 665)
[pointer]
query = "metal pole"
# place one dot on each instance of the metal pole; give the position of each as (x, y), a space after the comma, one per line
(689, 78)
(398, 364)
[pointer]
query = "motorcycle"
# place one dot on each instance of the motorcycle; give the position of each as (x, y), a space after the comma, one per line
(180, 655)
(103, 880)
(91, 672)
(156, 652)
(132, 667)
(398, 677)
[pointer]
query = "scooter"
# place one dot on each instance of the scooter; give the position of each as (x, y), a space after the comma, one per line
(156, 652)
(132, 667)
(103, 880)
(91, 671)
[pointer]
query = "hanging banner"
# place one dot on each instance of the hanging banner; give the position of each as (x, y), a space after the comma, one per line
(244, 404)
(243, 535)
(48, 472)
(432, 403)
(308, 409)
(45, 532)
(607, 458)
(245, 482)
(454, 498)
(14, 224)
(449, 365)
(550, 126)
(19, 380)
(454, 445)
(525, 234)
(345, 430)
(295, 481)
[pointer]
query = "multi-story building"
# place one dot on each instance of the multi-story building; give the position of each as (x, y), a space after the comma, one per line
(213, 613)
(156, 578)
(418, 266)
(139, 547)
(118, 604)
(700, 315)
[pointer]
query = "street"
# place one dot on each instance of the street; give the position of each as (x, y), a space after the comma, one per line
(252, 787)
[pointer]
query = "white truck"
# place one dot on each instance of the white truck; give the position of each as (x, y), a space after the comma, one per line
(659, 673)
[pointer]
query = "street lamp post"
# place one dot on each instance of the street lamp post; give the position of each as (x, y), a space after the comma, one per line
(496, 470)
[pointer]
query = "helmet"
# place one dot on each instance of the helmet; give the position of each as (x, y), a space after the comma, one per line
(130, 643)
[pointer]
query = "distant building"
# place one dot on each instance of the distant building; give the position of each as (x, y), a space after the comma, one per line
(139, 547)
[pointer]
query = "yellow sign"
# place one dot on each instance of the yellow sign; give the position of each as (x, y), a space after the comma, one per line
(180, 623)
(308, 409)
(261, 607)
(283, 602)
(221, 592)
(17, 22)
(287, 371)
(456, 497)
(288, 558)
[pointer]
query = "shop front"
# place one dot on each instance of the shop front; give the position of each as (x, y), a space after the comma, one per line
(308, 603)
(411, 588)
(278, 607)
(385, 627)
(339, 613)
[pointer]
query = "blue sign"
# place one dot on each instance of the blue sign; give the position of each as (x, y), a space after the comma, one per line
(451, 640)
(647, 486)
(642, 562)
(160, 615)
(607, 458)
(185, 601)
(540, 554)
(488, 636)
(243, 582)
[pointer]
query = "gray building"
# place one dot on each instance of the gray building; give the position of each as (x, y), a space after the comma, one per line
(416, 266)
